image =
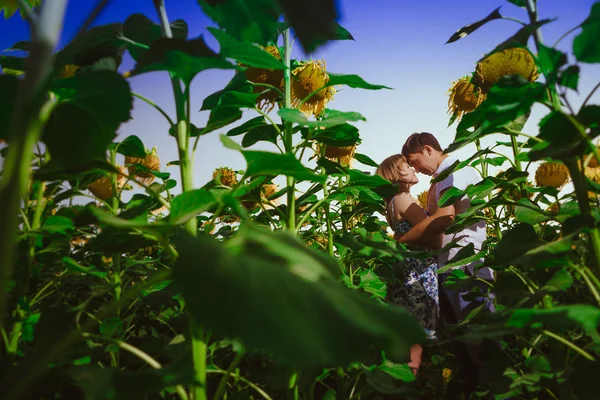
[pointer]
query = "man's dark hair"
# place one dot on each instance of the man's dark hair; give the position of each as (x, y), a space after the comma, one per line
(417, 141)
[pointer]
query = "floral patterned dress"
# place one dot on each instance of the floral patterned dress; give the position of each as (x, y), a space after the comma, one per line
(416, 288)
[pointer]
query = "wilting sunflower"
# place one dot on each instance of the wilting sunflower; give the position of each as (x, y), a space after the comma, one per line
(422, 198)
(151, 161)
(307, 78)
(552, 174)
(516, 60)
(464, 97)
(102, 188)
(260, 195)
(274, 77)
(226, 176)
(342, 155)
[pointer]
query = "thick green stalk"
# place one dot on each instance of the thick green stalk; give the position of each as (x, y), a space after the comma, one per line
(183, 135)
(581, 191)
(28, 118)
(287, 131)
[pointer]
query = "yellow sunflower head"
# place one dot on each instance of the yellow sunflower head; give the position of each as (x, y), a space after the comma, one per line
(464, 97)
(267, 100)
(516, 60)
(226, 176)
(552, 174)
(306, 79)
(593, 173)
(422, 198)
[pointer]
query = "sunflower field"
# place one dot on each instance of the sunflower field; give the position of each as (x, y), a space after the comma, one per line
(247, 288)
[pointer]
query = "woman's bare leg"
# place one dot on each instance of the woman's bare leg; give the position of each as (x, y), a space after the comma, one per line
(416, 353)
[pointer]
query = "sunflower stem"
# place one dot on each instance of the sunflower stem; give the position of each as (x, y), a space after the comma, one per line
(28, 118)
(287, 131)
(182, 108)
(581, 190)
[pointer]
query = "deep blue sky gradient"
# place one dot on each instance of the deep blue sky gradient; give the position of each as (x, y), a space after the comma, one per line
(399, 44)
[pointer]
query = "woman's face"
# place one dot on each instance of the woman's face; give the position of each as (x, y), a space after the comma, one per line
(409, 174)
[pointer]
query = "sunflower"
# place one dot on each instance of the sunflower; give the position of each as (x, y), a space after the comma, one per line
(151, 162)
(306, 79)
(342, 155)
(464, 97)
(226, 176)
(593, 173)
(68, 71)
(516, 60)
(422, 198)
(274, 77)
(552, 174)
(260, 195)
(159, 210)
(102, 188)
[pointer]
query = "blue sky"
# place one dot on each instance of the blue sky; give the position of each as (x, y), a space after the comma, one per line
(399, 44)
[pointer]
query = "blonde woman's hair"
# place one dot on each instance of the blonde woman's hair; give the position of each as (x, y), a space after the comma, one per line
(390, 169)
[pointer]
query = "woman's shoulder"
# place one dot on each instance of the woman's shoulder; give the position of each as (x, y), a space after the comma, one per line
(403, 199)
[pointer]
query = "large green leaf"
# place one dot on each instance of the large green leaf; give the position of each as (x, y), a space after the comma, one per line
(569, 77)
(247, 126)
(354, 81)
(143, 31)
(244, 52)
(330, 119)
(586, 45)
(276, 295)
(267, 133)
(93, 45)
(550, 60)
(468, 29)
(364, 159)
(340, 135)
(582, 315)
(189, 204)
(313, 21)
(253, 21)
(104, 94)
(184, 58)
(265, 163)
(132, 146)
(94, 106)
(71, 127)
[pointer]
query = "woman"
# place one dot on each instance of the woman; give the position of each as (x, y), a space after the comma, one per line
(416, 288)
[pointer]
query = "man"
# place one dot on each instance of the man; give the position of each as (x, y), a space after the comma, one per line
(424, 153)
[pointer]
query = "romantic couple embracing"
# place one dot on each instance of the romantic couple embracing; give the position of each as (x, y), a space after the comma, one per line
(417, 288)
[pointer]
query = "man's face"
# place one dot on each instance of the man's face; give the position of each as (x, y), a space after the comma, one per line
(423, 163)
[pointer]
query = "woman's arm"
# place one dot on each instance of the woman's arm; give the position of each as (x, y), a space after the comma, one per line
(407, 208)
